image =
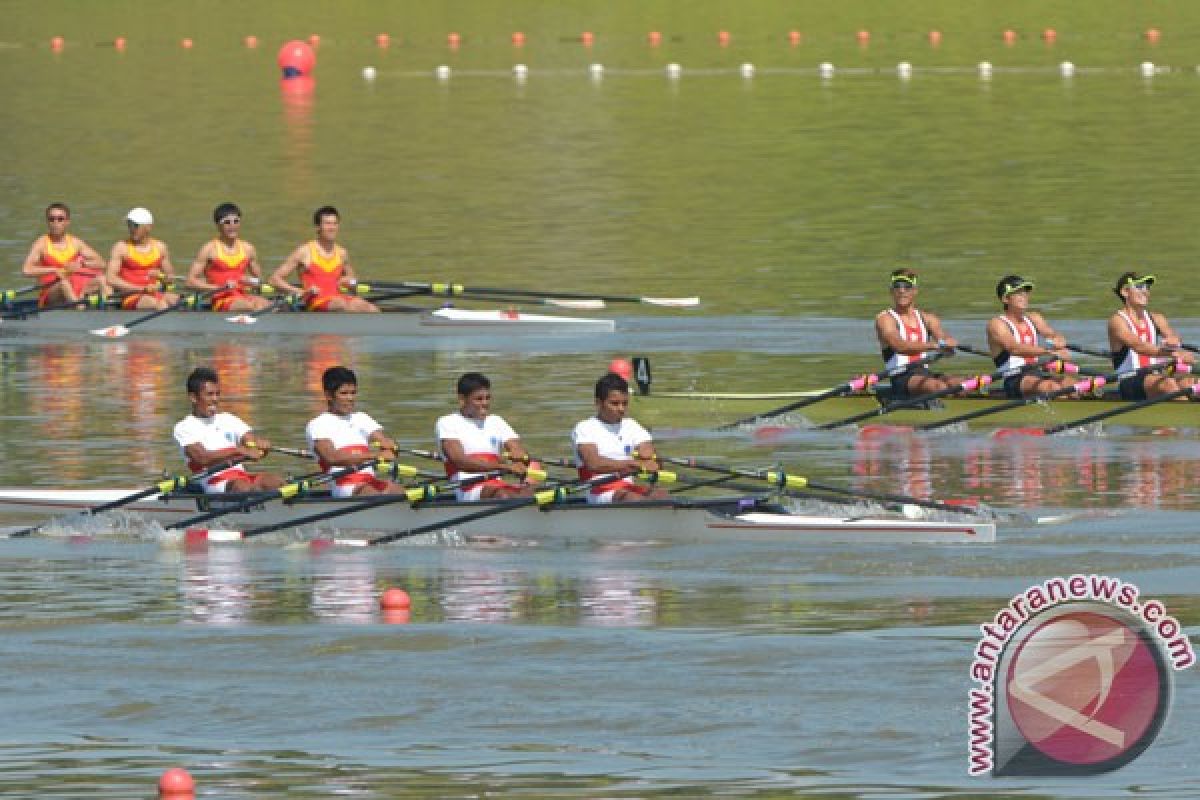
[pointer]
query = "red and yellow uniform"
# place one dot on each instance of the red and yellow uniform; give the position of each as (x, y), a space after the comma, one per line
(137, 268)
(67, 255)
(223, 266)
(322, 277)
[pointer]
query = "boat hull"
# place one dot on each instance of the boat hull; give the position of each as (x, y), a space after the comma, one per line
(712, 522)
(439, 322)
(699, 410)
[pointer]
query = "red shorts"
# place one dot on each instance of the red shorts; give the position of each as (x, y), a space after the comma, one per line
(348, 485)
(603, 493)
(129, 302)
(319, 302)
(79, 279)
(217, 483)
(222, 300)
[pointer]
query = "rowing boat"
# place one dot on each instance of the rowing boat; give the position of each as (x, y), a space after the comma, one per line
(710, 520)
(707, 409)
(409, 322)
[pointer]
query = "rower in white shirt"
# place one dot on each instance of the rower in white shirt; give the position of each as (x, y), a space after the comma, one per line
(473, 441)
(611, 443)
(343, 437)
(209, 436)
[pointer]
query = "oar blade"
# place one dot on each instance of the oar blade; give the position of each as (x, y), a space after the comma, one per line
(672, 302)
(111, 332)
(242, 319)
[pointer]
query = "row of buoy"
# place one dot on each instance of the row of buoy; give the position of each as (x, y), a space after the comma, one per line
(904, 70)
(724, 38)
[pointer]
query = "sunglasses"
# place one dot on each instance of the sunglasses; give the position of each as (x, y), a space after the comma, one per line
(903, 284)
(57, 219)
(1143, 285)
(1024, 287)
(231, 221)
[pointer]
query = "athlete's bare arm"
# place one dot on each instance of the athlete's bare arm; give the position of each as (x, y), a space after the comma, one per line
(195, 276)
(294, 262)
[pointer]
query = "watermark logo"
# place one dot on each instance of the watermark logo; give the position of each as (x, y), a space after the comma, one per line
(1074, 677)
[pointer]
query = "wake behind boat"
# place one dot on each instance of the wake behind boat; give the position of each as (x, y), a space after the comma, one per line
(730, 519)
(399, 322)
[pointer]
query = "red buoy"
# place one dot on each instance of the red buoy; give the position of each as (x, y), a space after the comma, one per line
(296, 58)
(395, 599)
(177, 784)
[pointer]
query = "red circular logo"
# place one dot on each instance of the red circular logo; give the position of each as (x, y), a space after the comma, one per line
(1085, 688)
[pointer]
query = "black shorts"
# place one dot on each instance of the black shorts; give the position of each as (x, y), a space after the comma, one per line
(1012, 387)
(1133, 388)
(900, 382)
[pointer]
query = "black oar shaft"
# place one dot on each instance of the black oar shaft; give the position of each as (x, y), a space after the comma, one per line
(1125, 408)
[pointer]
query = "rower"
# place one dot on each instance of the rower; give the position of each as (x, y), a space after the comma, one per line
(209, 436)
(473, 440)
(611, 443)
(325, 271)
(1013, 341)
(140, 266)
(1141, 338)
(227, 265)
(342, 437)
(65, 266)
(906, 334)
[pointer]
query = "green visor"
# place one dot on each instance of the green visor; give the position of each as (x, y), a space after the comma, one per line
(1013, 288)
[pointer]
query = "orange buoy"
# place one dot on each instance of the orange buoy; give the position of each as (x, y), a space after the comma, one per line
(395, 599)
(794, 38)
(314, 40)
(654, 38)
(453, 40)
(382, 40)
(1010, 37)
(622, 367)
(1050, 35)
(176, 783)
(119, 43)
(518, 39)
(57, 43)
(864, 38)
(587, 38)
(296, 58)
(723, 38)
(935, 38)
(250, 41)
(186, 44)
(1153, 35)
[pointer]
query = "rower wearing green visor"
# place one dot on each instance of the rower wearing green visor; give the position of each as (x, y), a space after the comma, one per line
(907, 334)
(1141, 338)
(1013, 342)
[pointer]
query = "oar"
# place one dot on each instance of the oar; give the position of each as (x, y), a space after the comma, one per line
(251, 317)
(783, 480)
(163, 487)
(853, 385)
(8, 295)
(979, 382)
(92, 300)
(117, 331)
(295, 452)
(457, 289)
(1089, 351)
(293, 488)
(1124, 408)
(542, 499)
(1081, 387)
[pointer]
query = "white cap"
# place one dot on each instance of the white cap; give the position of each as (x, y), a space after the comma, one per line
(140, 216)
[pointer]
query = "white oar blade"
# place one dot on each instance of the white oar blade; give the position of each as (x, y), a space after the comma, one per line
(111, 332)
(242, 319)
(672, 302)
(583, 305)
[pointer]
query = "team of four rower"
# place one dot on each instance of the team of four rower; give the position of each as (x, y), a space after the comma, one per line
(226, 268)
(473, 443)
(1138, 338)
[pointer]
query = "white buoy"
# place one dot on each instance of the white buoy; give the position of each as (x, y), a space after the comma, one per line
(520, 70)
(1148, 69)
(1066, 69)
(904, 70)
(442, 73)
(747, 70)
(985, 69)
(674, 70)
(596, 70)
(911, 511)
(368, 73)
(825, 69)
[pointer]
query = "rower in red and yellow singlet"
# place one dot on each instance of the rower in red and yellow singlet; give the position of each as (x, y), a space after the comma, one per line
(227, 265)
(325, 271)
(65, 266)
(140, 266)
